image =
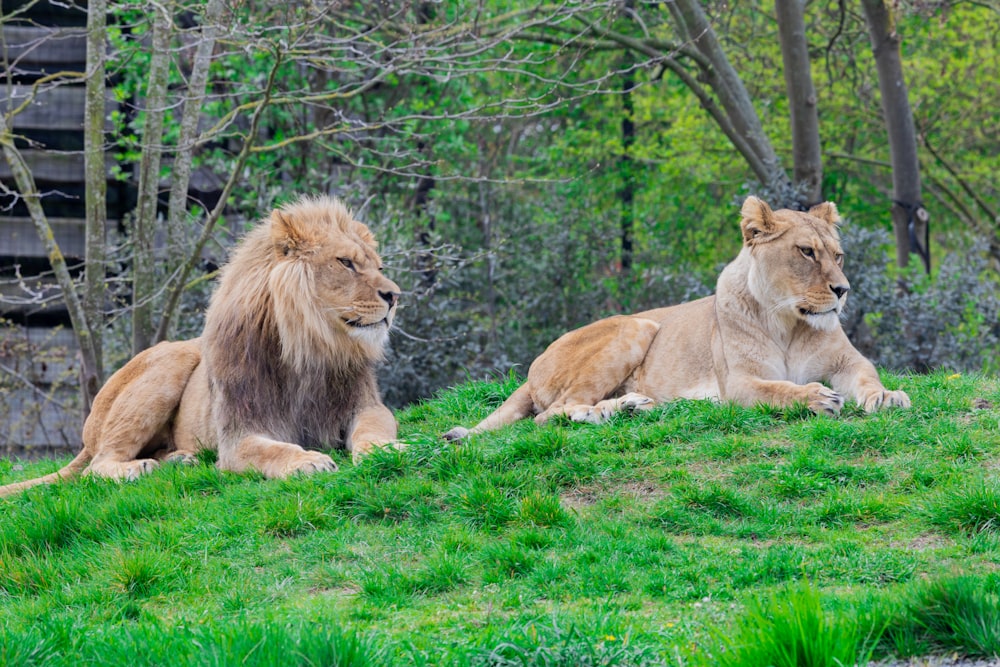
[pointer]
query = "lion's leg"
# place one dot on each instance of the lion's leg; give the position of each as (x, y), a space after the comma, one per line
(193, 428)
(374, 427)
(133, 412)
(126, 433)
(272, 458)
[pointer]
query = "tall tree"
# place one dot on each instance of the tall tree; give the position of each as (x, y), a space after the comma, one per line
(909, 217)
(802, 103)
(94, 113)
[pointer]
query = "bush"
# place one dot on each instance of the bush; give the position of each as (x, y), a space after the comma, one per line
(910, 321)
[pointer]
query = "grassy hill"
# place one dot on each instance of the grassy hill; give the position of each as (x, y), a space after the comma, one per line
(692, 534)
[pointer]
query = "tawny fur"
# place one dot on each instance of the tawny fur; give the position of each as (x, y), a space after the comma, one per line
(285, 365)
(770, 334)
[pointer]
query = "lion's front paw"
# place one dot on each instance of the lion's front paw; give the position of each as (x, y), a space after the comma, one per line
(883, 398)
(596, 414)
(823, 400)
(308, 463)
(359, 453)
(186, 458)
(126, 471)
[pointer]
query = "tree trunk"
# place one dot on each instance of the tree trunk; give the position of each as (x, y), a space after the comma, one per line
(909, 218)
(808, 169)
(32, 199)
(95, 198)
(144, 223)
(693, 25)
(626, 168)
(177, 231)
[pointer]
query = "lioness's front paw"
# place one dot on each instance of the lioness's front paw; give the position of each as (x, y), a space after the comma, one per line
(883, 398)
(457, 433)
(635, 401)
(822, 399)
(308, 463)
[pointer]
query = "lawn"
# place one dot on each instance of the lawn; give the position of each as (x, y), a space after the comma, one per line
(692, 534)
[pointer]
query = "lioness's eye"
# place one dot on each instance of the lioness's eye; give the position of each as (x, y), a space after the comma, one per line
(346, 262)
(840, 259)
(808, 252)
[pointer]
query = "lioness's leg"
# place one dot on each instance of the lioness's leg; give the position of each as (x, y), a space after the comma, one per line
(601, 411)
(518, 405)
(374, 427)
(576, 373)
(272, 458)
(782, 393)
(858, 378)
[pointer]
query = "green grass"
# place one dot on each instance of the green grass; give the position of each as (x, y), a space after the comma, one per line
(693, 534)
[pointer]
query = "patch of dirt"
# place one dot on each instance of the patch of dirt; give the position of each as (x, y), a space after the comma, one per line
(585, 496)
(340, 591)
(580, 497)
(642, 490)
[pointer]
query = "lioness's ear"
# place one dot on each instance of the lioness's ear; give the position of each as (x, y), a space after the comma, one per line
(285, 234)
(826, 211)
(758, 220)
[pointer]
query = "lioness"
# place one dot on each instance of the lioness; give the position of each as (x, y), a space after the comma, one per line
(285, 365)
(769, 334)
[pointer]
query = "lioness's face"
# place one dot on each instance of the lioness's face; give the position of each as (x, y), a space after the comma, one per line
(798, 266)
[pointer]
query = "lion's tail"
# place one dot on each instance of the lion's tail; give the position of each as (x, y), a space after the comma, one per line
(519, 405)
(69, 471)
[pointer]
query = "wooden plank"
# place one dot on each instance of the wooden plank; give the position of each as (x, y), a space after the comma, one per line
(40, 355)
(51, 167)
(45, 48)
(54, 108)
(30, 296)
(50, 418)
(18, 237)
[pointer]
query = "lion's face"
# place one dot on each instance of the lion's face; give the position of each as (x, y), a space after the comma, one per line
(797, 262)
(327, 283)
(349, 282)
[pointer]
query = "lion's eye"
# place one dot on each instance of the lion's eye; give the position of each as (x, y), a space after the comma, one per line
(840, 259)
(346, 262)
(808, 252)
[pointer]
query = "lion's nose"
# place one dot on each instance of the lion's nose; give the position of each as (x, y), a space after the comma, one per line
(389, 297)
(840, 290)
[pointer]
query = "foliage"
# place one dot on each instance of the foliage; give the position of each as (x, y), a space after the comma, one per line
(791, 629)
(485, 144)
(955, 614)
(914, 321)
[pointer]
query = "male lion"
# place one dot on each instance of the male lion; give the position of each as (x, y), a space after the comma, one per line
(286, 361)
(768, 335)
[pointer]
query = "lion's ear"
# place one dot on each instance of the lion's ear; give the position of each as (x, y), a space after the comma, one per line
(285, 234)
(826, 211)
(758, 222)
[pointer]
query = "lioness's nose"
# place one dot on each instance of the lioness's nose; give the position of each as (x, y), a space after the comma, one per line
(389, 297)
(840, 290)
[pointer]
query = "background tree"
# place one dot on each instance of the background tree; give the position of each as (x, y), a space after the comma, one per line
(802, 101)
(910, 218)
